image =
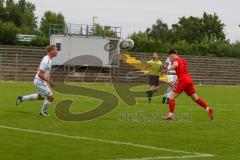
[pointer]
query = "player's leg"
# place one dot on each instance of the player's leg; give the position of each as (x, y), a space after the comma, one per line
(168, 91)
(172, 80)
(190, 91)
(150, 93)
(167, 95)
(172, 105)
(45, 90)
(202, 104)
(46, 105)
(154, 83)
(35, 96)
(177, 90)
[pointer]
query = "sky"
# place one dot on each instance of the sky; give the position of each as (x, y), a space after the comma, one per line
(135, 15)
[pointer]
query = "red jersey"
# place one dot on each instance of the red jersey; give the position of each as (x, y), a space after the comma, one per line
(182, 70)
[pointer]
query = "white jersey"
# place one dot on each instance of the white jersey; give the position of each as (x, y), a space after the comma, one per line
(45, 65)
(169, 63)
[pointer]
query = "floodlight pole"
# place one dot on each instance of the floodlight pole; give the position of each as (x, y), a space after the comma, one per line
(94, 18)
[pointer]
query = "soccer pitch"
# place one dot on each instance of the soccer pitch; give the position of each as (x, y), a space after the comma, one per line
(120, 134)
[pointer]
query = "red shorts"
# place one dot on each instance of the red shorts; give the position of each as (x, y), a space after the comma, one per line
(187, 87)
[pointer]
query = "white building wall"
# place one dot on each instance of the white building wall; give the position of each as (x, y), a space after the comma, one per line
(75, 46)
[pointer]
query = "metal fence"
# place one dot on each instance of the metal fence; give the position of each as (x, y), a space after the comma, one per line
(15, 67)
(85, 30)
(11, 67)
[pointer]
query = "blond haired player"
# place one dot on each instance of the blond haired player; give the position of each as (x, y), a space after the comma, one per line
(40, 82)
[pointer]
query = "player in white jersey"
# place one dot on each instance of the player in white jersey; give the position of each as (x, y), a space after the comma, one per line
(40, 82)
(172, 78)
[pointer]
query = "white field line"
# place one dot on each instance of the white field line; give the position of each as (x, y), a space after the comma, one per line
(217, 109)
(231, 105)
(192, 154)
(171, 157)
(193, 104)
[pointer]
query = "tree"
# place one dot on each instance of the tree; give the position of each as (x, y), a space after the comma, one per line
(213, 26)
(21, 14)
(159, 31)
(1, 4)
(141, 41)
(51, 18)
(189, 29)
(10, 11)
(2, 11)
(103, 31)
(27, 17)
(139, 36)
(195, 29)
(8, 32)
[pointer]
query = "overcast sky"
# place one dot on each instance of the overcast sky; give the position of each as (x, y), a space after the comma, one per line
(135, 15)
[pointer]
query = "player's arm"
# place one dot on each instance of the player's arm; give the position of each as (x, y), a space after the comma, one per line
(41, 74)
(44, 78)
(173, 66)
(166, 63)
(164, 68)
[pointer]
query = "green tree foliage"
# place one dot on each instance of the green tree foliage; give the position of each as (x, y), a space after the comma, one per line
(103, 31)
(8, 32)
(213, 26)
(195, 29)
(209, 46)
(159, 32)
(2, 11)
(50, 18)
(19, 17)
(189, 29)
(1, 4)
(190, 35)
(27, 16)
(21, 13)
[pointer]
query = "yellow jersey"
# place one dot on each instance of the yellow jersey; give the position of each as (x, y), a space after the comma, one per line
(154, 67)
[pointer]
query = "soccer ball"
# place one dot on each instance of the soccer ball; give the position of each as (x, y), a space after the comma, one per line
(127, 44)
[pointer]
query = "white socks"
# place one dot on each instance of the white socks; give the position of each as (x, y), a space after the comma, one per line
(46, 103)
(30, 97)
(169, 92)
(45, 106)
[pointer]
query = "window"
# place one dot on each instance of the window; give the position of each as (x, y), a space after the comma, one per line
(58, 45)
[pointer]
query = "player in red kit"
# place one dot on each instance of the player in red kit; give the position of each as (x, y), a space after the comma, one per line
(184, 84)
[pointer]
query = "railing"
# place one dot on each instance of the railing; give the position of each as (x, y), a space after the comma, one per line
(85, 30)
(9, 67)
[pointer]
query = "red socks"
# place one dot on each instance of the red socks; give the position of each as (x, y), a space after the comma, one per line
(201, 103)
(172, 104)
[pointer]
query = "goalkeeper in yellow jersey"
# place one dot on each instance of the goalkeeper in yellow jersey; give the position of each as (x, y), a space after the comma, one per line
(153, 69)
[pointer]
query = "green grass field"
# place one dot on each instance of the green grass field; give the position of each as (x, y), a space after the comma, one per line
(24, 135)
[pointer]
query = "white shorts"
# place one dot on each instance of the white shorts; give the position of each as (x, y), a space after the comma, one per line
(42, 88)
(172, 78)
